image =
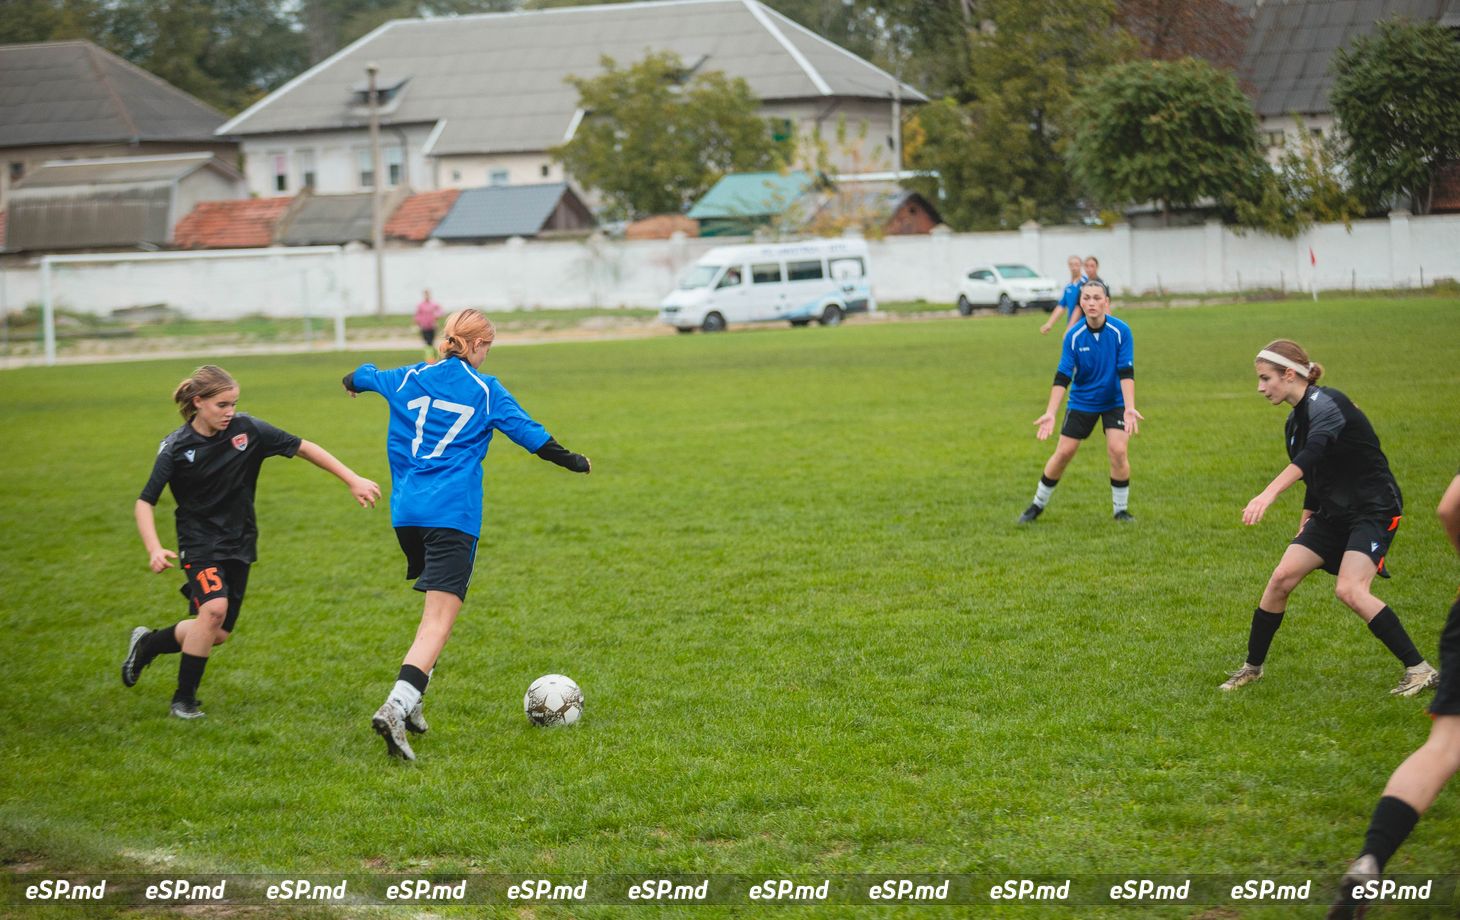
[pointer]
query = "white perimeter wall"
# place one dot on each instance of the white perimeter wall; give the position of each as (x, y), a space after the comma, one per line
(1397, 252)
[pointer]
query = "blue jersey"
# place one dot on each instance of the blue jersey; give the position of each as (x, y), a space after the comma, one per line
(1070, 299)
(1094, 361)
(441, 421)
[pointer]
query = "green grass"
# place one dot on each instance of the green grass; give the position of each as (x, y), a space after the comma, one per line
(810, 637)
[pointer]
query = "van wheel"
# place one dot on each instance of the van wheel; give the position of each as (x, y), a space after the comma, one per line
(832, 315)
(799, 323)
(964, 307)
(714, 322)
(1006, 306)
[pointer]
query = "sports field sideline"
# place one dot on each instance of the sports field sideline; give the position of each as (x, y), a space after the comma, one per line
(810, 637)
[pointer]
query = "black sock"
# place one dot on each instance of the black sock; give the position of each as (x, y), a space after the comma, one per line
(189, 675)
(1386, 627)
(414, 676)
(1393, 820)
(1045, 480)
(1264, 626)
(158, 642)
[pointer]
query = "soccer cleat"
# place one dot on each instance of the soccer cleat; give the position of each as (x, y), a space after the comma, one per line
(1242, 676)
(1124, 516)
(1345, 904)
(187, 709)
(389, 725)
(1416, 679)
(416, 721)
(131, 670)
(1030, 514)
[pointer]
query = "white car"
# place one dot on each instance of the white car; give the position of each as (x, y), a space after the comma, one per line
(1008, 286)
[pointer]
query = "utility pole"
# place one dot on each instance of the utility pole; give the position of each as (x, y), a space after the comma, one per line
(377, 201)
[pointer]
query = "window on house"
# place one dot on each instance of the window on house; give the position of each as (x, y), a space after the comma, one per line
(364, 167)
(304, 165)
(546, 170)
(782, 130)
(16, 171)
(394, 159)
(280, 163)
(497, 177)
(456, 175)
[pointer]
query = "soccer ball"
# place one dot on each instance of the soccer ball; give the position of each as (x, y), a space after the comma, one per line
(553, 700)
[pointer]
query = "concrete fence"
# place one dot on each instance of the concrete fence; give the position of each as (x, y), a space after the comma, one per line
(1398, 252)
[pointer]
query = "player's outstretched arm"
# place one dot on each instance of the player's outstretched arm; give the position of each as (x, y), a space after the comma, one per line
(365, 491)
(1449, 512)
(1044, 425)
(553, 452)
(1258, 506)
(1133, 418)
(158, 559)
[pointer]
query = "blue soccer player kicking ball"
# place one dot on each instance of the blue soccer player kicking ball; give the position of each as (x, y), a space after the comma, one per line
(1097, 366)
(442, 417)
(1417, 783)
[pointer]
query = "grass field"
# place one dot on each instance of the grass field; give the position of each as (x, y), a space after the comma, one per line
(810, 636)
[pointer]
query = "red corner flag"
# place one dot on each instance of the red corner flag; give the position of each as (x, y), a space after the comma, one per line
(1312, 258)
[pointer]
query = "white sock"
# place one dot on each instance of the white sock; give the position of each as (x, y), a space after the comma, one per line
(404, 697)
(1120, 496)
(1042, 494)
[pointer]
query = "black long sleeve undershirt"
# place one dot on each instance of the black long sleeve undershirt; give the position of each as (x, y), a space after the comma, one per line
(553, 452)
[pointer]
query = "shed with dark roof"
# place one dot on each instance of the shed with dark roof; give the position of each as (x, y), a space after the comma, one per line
(502, 211)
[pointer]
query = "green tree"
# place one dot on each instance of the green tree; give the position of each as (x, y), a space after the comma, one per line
(1306, 189)
(655, 139)
(1397, 98)
(1173, 132)
(26, 21)
(998, 141)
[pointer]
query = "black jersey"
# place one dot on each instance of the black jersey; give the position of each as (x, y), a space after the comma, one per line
(1346, 473)
(213, 481)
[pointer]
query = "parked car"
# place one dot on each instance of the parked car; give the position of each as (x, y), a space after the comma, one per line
(1008, 286)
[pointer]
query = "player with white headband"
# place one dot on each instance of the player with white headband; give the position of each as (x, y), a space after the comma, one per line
(1350, 513)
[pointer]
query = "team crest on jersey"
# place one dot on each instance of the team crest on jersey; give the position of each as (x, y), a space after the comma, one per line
(189, 455)
(240, 441)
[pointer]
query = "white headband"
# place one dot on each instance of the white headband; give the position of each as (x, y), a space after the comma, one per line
(1272, 357)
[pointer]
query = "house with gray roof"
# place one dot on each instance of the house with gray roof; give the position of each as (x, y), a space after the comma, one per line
(1288, 62)
(71, 99)
(479, 100)
(113, 202)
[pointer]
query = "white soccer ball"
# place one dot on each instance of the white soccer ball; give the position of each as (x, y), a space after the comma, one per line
(553, 700)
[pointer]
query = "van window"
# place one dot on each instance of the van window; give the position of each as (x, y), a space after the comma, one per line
(804, 271)
(732, 277)
(847, 268)
(766, 273)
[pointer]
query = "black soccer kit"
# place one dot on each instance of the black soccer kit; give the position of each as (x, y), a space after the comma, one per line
(1355, 501)
(213, 481)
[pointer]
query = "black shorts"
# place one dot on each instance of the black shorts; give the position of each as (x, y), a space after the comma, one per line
(1331, 539)
(207, 581)
(429, 337)
(438, 558)
(1447, 694)
(1078, 425)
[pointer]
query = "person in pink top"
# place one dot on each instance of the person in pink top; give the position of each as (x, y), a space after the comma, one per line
(428, 312)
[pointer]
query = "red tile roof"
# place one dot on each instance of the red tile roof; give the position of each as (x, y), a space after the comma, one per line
(419, 214)
(230, 224)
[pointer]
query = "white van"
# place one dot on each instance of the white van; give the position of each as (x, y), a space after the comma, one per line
(821, 280)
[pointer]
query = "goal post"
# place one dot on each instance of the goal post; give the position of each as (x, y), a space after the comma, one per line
(248, 279)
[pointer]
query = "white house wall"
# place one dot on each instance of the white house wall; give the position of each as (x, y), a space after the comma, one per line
(1398, 252)
(477, 170)
(336, 171)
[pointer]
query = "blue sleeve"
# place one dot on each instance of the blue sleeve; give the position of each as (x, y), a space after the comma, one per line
(1067, 357)
(513, 421)
(1125, 355)
(368, 377)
